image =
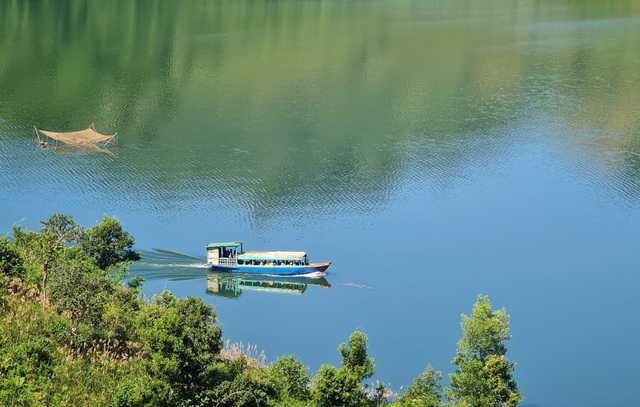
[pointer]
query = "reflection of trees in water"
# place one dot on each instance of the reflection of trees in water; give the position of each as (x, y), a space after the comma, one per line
(67, 64)
(313, 105)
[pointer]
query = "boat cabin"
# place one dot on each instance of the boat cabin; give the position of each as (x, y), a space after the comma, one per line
(224, 253)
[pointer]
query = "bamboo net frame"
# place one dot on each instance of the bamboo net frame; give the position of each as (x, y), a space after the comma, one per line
(84, 137)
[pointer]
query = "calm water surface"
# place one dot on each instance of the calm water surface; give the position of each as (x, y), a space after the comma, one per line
(433, 150)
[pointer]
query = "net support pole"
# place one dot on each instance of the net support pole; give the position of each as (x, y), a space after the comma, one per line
(40, 140)
(109, 141)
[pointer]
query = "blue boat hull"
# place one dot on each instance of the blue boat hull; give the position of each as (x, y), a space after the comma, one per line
(273, 270)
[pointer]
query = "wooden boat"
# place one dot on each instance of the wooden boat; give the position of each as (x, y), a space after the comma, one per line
(230, 256)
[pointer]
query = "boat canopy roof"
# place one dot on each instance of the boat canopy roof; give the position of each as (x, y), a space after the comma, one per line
(272, 255)
(224, 244)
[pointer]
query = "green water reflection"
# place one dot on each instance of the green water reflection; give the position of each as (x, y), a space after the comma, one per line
(327, 96)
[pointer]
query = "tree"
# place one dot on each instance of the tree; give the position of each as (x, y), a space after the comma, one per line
(342, 387)
(10, 261)
(108, 244)
(243, 386)
(42, 248)
(425, 391)
(58, 230)
(181, 344)
(290, 375)
(80, 288)
(63, 228)
(354, 356)
(483, 375)
(337, 387)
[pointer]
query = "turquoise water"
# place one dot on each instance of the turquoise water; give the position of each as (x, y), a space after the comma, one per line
(433, 150)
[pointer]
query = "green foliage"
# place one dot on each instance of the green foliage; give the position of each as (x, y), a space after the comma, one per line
(132, 391)
(337, 387)
(182, 343)
(78, 287)
(36, 249)
(43, 248)
(96, 376)
(11, 264)
(246, 387)
(291, 379)
(63, 228)
(136, 284)
(483, 375)
(30, 346)
(120, 314)
(425, 391)
(484, 333)
(354, 356)
(108, 244)
(342, 387)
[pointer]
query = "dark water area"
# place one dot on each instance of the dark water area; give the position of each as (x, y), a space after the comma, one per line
(433, 150)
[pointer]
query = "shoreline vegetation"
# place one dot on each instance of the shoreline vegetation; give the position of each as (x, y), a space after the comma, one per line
(71, 334)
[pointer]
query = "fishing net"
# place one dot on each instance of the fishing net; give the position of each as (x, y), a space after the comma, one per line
(78, 138)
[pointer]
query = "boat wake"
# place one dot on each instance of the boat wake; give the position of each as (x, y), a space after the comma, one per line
(175, 265)
(163, 264)
(358, 285)
(316, 274)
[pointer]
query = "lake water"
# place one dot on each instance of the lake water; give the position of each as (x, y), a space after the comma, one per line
(433, 150)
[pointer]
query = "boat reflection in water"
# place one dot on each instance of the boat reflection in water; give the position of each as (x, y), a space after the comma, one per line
(232, 285)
